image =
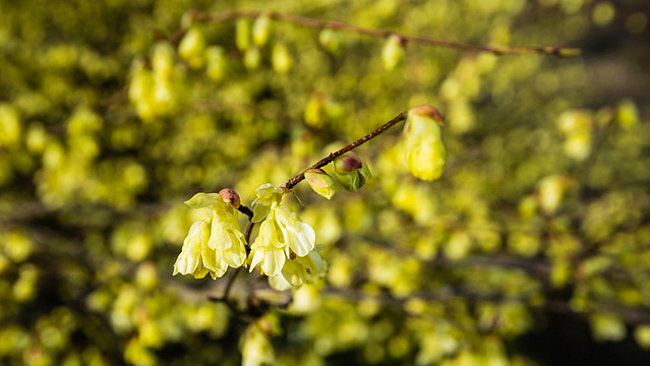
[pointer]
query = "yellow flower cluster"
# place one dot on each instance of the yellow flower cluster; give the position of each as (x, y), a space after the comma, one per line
(214, 243)
(284, 249)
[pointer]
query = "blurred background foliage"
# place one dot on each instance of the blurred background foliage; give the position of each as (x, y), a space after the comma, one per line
(533, 248)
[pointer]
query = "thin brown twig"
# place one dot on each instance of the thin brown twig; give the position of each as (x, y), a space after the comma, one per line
(321, 163)
(246, 211)
(335, 24)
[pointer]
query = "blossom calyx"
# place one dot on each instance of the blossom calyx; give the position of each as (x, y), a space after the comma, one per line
(425, 153)
(351, 171)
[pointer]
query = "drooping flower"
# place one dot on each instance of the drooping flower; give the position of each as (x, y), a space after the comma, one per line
(282, 236)
(268, 249)
(262, 30)
(196, 257)
(305, 269)
(298, 236)
(267, 194)
(215, 242)
(192, 47)
(300, 270)
(425, 153)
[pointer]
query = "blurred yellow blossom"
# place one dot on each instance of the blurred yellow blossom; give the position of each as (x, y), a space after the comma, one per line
(425, 153)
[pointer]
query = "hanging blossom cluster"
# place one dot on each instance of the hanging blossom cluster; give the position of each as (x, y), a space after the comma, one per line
(215, 242)
(284, 248)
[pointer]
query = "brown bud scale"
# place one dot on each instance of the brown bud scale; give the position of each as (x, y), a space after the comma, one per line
(229, 195)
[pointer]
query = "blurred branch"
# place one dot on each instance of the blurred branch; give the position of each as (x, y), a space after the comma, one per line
(443, 294)
(638, 315)
(23, 211)
(629, 315)
(338, 25)
(537, 266)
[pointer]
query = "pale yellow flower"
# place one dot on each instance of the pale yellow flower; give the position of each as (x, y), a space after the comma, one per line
(196, 257)
(298, 236)
(214, 243)
(268, 250)
(281, 236)
(425, 153)
(301, 270)
(267, 194)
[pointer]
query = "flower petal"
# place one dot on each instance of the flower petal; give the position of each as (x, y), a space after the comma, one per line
(299, 236)
(235, 255)
(294, 273)
(273, 262)
(205, 199)
(260, 211)
(201, 272)
(256, 257)
(212, 261)
(278, 283)
(219, 239)
(301, 242)
(189, 259)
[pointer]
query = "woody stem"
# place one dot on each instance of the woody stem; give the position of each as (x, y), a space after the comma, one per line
(321, 163)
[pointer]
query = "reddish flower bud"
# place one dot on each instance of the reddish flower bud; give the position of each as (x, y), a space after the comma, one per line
(229, 195)
(348, 163)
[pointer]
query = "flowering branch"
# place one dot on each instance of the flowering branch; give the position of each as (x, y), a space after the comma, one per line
(284, 249)
(321, 163)
(297, 179)
(373, 32)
